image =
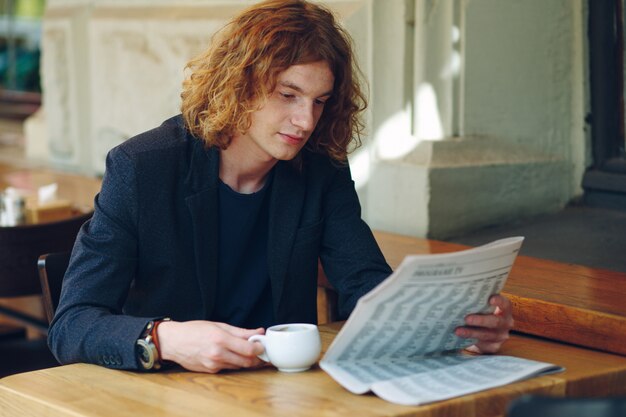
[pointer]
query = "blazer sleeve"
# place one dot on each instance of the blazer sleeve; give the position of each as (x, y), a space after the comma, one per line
(350, 256)
(89, 325)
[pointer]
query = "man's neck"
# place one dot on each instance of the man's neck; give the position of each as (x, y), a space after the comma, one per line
(241, 171)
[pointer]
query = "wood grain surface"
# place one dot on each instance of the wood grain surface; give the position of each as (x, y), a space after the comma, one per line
(565, 302)
(89, 390)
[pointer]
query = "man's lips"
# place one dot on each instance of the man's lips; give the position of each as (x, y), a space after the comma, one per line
(291, 139)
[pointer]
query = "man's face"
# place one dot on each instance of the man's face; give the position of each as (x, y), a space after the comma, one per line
(283, 125)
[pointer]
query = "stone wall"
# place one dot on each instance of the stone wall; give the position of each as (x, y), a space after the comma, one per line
(113, 69)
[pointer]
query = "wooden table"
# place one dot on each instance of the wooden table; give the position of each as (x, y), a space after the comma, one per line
(90, 390)
(78, 189)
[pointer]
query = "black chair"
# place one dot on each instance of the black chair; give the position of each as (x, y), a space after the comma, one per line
(52, 267)
(20, 355)
(537, 406)
(327, 298)
(20, 248)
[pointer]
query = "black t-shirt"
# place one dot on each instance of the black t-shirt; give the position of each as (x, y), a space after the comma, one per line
(244, 293)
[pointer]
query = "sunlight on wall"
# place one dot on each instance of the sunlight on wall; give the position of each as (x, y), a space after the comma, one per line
(428, 123)
(393, 138)
(360, 166)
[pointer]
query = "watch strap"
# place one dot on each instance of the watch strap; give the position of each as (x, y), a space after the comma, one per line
(150, 345)
(155, 340)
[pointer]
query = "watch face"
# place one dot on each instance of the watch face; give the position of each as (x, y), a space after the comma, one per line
(145, 354)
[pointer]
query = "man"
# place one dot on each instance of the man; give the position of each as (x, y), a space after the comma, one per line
(217, 218)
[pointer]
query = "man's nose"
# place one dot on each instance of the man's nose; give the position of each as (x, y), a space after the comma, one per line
(304, 117)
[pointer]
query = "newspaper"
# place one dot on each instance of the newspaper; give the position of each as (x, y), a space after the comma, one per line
(399, 341)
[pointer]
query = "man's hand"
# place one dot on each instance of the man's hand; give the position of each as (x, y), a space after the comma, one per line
(491, 330)
(205, 346)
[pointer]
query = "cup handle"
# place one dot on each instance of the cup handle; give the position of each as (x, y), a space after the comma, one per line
(261, 339)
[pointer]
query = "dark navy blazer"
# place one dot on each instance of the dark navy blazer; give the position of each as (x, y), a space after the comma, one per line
(151, 247)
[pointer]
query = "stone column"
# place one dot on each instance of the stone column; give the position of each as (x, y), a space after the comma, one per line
(494, 129)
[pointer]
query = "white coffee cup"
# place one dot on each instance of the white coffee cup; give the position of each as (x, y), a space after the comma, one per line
(290, 347)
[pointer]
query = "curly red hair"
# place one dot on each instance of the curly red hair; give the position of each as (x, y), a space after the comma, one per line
(244, 59)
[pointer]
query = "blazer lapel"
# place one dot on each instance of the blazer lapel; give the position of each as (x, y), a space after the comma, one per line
(286, 201)
(203, 206)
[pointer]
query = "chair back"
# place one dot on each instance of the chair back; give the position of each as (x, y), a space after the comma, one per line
(537, 406)
(52, 267)
(327, 298)
(20, 247)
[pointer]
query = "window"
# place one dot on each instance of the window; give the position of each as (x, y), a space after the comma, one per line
(20, 36)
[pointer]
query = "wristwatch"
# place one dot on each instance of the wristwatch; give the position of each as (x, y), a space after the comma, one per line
(147, 347)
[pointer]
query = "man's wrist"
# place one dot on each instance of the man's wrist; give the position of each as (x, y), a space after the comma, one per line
(165, 346)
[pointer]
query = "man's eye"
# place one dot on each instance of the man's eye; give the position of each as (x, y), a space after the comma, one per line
(287, 95)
